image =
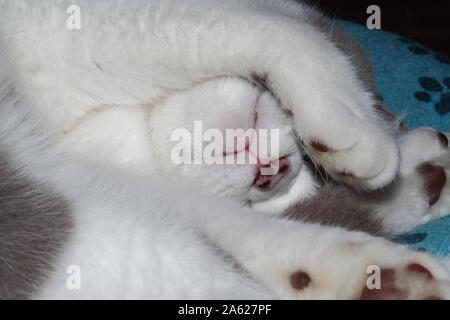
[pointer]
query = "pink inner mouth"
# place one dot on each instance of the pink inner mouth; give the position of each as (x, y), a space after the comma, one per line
(266, 182)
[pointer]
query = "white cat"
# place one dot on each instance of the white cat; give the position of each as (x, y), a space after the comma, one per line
(90, 188)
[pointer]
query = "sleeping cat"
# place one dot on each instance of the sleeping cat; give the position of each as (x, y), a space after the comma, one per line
(93, 205)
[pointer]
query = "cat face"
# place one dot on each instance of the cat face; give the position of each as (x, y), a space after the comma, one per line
(214, 136)
(168, 137)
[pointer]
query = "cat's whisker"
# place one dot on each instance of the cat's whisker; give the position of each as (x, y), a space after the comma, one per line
(316, 165)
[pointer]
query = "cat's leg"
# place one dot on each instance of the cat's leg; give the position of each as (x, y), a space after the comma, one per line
(144, 53)
(128, 240)
(306, 261)
(422, 190)
(332, 109)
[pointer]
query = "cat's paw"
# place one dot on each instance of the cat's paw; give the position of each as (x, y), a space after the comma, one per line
(371, 162)
(367, 269)
(422, 192)
(413, 282)
(426, 153)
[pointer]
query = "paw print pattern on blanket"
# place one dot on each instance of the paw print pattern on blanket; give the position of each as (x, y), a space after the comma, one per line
(433, 87)
(417, 49)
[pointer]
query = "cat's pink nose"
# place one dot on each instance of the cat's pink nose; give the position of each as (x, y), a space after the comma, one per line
(266, 182)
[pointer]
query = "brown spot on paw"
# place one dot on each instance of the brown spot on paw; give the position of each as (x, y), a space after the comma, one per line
(300, 280)
(435, 179)
(443, 139)
(319, 146)
(433, 298)
(415, 267)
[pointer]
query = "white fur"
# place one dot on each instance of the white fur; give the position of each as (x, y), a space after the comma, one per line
(95, 111)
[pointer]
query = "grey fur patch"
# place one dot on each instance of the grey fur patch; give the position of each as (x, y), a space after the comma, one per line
(34, 226)
(338, 205)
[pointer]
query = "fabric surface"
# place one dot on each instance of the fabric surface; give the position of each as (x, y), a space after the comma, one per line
(414, 83)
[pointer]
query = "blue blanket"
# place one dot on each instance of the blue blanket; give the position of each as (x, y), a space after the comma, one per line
(414, 83)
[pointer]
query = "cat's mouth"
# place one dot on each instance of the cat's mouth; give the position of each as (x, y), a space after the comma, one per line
(277, 170)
